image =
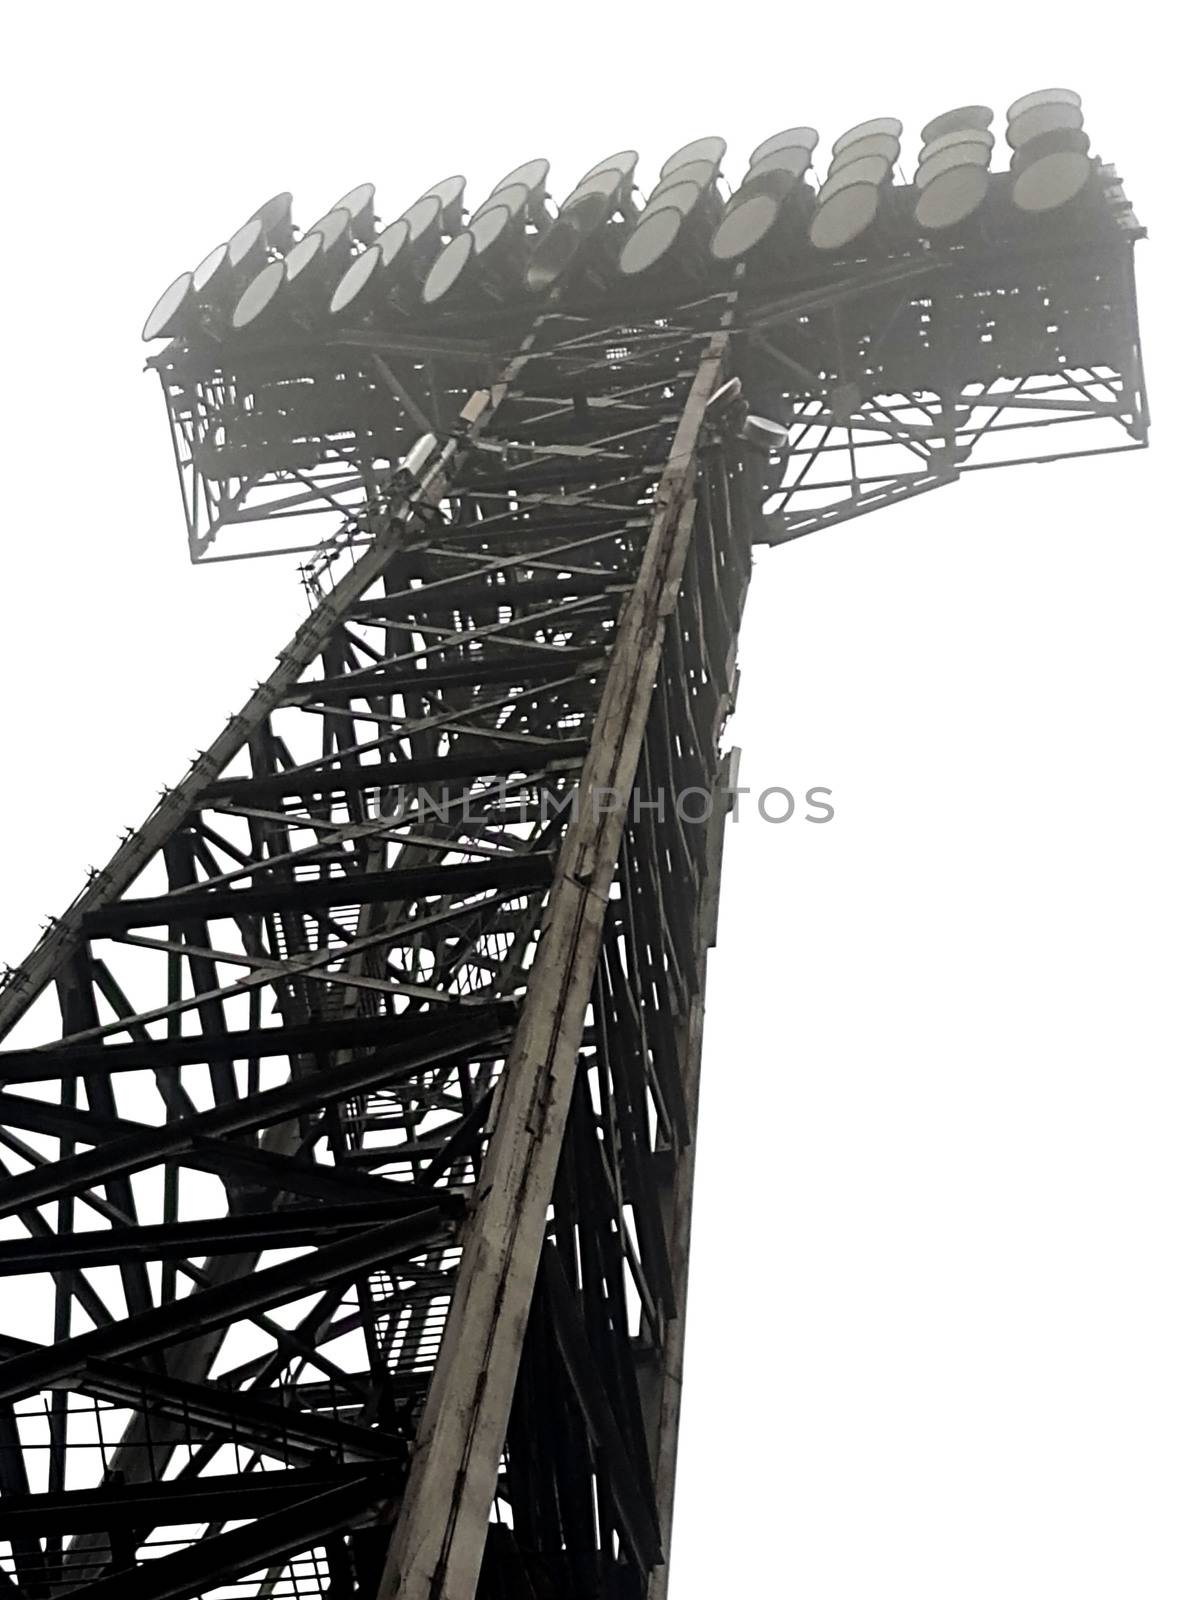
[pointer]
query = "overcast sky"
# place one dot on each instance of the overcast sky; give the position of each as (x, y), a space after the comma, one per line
(944, 1317)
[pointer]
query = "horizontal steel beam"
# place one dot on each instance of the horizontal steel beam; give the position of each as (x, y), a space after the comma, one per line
(470, 592)
(502, 761)
(399, 884)
(179, 1140)
(206, 1564)
(219, 1306)
(514, 668)
(117, 1139)
(317, 1037)
(226, 1497)
(261, 1418)
(259, 1230)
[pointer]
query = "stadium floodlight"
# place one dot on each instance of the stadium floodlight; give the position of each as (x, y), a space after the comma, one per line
(195, 299)
(359, 204)
(171, 315)
(1042, 97)
(448, 273)
(807, 138)
(849, 200)
(710, 149)
(965, 152)
(885, 146)
(518, 197)
(511, 244)
(747, 221)
(431, 219)
(1050, 165)
(448, 192)
(275, 215)
(785, 228)
(953, 137)
(952, 179)
(531, 175)
(393, 239)
(360, 287)
(612, 183)
(248, 250)
(661, 235)
(297, 288)
(624, 161)
(366, 282)
(1050, 117)
(212, 271)
(698, 171)
(788, 164)
(593, 222)
(202, 299)
(958, 120)
(1051, 170)
(562, 247)
(865, 130)
(261, 294)
(951, 188)
(771, 198)
(336, 230)
(388, 277)
(679, 217)
(489, 258)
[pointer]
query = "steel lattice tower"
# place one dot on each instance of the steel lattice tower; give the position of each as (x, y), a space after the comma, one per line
(347, 1123)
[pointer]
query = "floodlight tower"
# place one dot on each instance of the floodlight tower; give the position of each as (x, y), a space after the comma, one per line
(347, 1115)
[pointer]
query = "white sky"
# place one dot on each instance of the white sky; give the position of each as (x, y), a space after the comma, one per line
(944, 1317)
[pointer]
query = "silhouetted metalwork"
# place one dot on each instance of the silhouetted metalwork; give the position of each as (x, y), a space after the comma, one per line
(347, 1115)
